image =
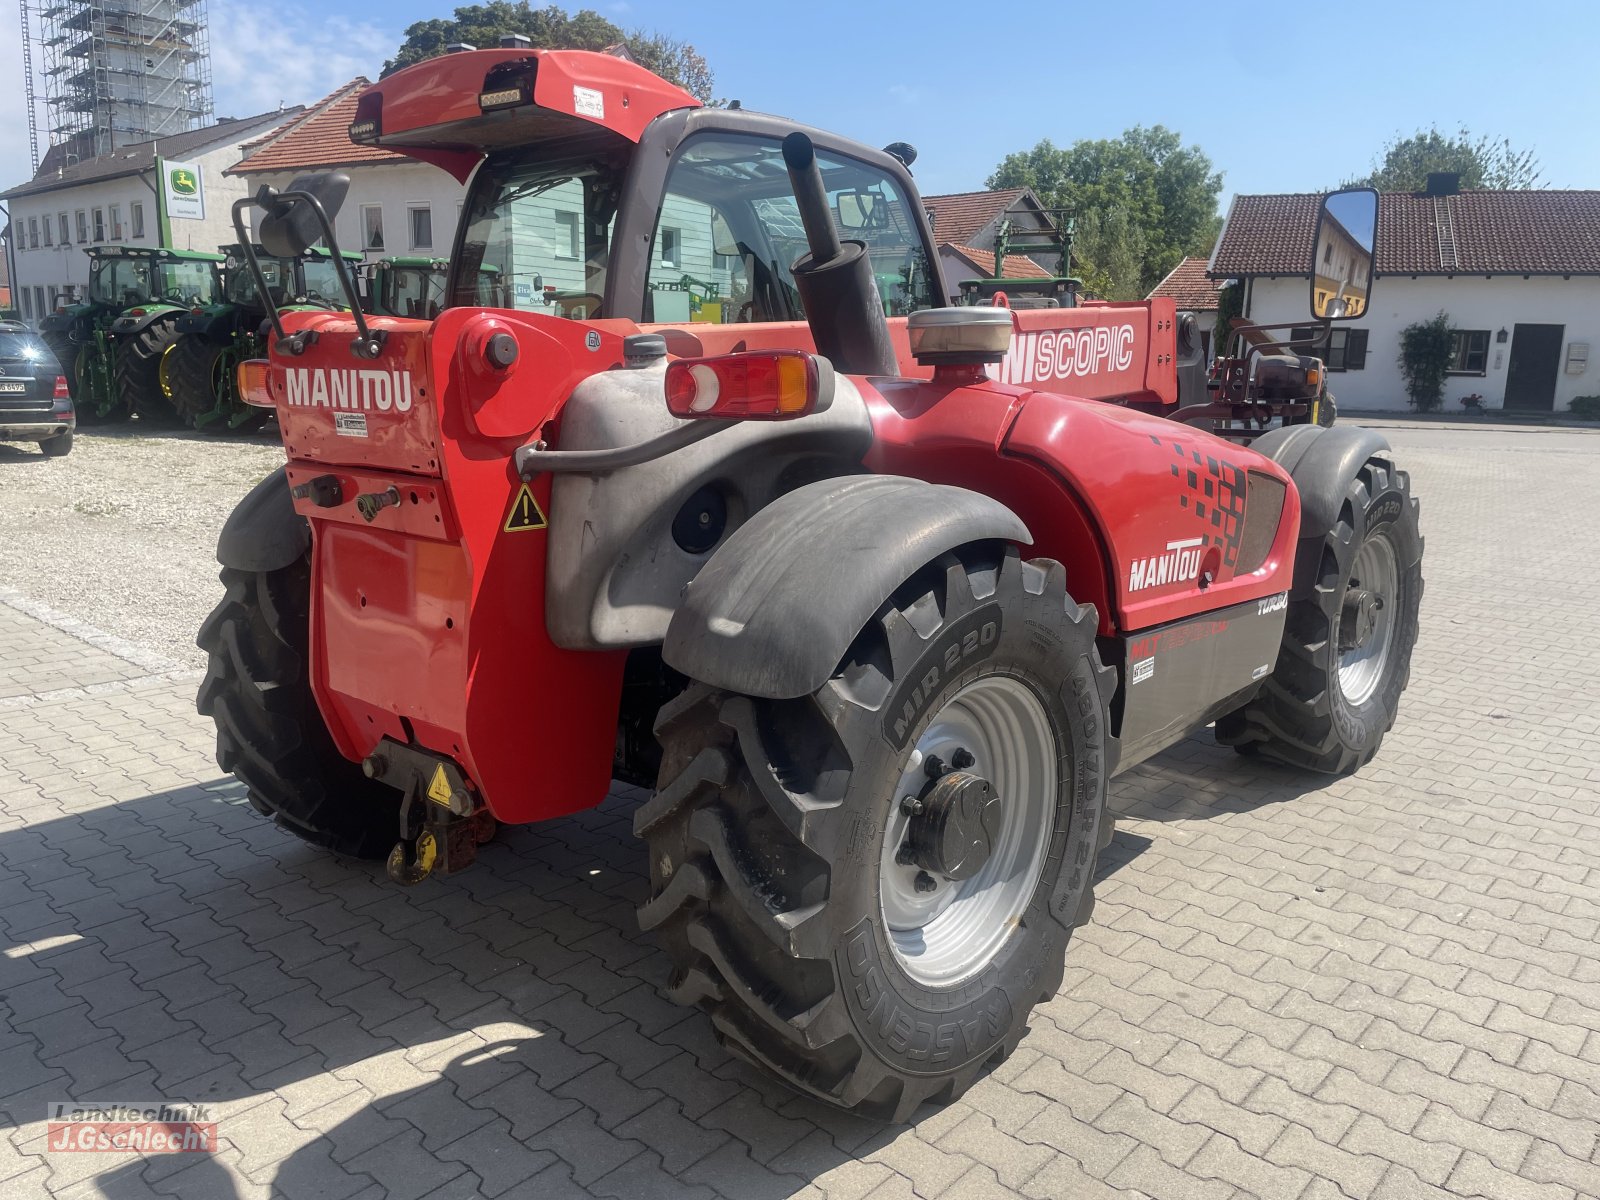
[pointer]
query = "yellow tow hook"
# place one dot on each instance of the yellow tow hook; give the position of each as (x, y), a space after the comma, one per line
(412, 862)
(442, 821)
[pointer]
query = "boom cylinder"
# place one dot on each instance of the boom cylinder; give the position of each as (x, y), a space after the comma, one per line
(835, 279)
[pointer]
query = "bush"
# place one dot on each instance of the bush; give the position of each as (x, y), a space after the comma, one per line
(1425, 352)
(1586, 406)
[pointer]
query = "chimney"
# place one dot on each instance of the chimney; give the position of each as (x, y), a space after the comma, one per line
(1443, 183)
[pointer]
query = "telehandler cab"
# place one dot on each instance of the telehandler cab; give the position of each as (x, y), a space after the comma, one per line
(877, 595)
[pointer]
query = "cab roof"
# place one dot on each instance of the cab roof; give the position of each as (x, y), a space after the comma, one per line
(158, 252)
(434, 110)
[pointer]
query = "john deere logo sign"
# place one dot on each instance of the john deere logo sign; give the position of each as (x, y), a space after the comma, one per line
(186, 200)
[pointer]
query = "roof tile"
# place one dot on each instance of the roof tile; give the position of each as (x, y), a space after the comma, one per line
(320, 138)
(1496, 233)
(1018, 266)
(959, 217)
(1189, 287)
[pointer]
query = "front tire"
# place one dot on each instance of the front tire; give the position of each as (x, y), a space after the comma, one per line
(270, 734)
(1347, 640)
(778, 830)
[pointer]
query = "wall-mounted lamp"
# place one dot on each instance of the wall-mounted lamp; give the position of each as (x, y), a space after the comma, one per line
(1502, 335)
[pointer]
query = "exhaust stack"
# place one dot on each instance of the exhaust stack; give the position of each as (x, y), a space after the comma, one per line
(835, 279)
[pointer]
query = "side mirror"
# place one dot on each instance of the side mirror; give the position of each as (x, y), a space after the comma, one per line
(722, 240)
(291, 227)
(1341, 265)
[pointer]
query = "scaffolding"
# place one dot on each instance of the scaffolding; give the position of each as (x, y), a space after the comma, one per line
(116, 72)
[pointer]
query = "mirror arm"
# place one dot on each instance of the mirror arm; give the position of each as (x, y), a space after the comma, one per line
(239, 205)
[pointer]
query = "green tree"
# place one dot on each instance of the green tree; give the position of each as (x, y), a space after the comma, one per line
(1426, 348)
(1167, 191)
(552, 28)
(1109, 249)
(1482, 162)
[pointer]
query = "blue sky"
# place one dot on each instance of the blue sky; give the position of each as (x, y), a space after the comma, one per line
(1283, 98)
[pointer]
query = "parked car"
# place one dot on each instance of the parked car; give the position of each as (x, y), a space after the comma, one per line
(35, 405)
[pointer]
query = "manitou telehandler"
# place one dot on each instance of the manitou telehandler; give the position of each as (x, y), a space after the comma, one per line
(876, 594)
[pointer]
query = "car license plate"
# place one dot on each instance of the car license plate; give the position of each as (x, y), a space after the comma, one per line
(12, 385)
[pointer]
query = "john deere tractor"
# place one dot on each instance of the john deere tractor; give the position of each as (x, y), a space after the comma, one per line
(111, 346)
(213, 338)
(414, 287)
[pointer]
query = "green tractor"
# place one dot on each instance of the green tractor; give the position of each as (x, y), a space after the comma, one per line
(1046, 291)
(216, 337)
(400, 286)
(112, 347)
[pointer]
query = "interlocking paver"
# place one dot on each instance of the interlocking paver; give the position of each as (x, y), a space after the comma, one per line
(1295, 989)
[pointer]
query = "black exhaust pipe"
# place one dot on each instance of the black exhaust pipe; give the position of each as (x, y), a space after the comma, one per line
(835, 280)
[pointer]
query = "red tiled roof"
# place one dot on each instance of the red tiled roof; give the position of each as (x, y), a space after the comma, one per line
(320, 138)
(957, 218)
(1018, 266)
(1496, 233)
(1188, 286)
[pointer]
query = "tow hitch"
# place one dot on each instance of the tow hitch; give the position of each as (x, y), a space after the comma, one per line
(442, 820)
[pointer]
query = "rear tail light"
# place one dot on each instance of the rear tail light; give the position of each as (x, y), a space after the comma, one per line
(765, 385)
(251, 376)
(61, 391)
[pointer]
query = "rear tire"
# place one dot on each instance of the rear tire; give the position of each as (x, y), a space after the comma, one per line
(270, 734)
(138, 372)
(1328, 702)
(775, 827)
(56, 447)
(192, 371)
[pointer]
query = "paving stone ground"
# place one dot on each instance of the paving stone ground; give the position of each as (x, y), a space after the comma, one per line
(1385, 987)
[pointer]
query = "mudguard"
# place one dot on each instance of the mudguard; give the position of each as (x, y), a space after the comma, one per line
(264, 533)
(1322, 462)
(128, 323)
(776, 607)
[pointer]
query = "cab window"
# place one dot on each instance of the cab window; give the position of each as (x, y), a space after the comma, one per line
(729, 231)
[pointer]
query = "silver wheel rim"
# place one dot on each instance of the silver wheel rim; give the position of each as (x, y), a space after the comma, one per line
(947, 935)
(1376, 571)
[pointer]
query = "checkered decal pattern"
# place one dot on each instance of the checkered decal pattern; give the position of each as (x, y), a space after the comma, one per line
(1216, 495)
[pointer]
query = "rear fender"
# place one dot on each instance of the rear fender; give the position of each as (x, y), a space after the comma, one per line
(129, 324)
(264, 533)
(778, 605)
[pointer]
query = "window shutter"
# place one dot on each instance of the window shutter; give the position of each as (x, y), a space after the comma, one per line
(1355, 349)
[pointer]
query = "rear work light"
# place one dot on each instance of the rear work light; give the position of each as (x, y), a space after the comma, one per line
(760, 385)
(251, 377)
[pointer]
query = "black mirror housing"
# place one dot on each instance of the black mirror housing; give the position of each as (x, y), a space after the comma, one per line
(291, 226)
(1344, 251)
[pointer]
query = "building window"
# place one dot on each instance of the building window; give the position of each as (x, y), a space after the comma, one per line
(1345, 349)
(1470, 353)
(567, 244)
(27, 304)
(99, 225)
(38, 301)
(66, 234)
(136, 220)
(671, 240)
(421, 227)
(55, 299)
(721, 262)
(46, 223)
(33, 233)
(372, 227)
(83, 227)
(116, 222)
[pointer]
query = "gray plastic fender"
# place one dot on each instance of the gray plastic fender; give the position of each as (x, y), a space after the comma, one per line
(128, 323)
(1322, 462)
(776, 607)
(264, 533)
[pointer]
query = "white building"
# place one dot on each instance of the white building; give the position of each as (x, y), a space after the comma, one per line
(69, 206)
(1518, 274)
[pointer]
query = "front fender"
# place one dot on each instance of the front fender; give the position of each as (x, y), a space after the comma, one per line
(780, 602)
(264, 533)
(1322, 462)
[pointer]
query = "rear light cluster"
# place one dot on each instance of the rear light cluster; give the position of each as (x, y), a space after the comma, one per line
(61, 391)
(766, 385)
(251, 378)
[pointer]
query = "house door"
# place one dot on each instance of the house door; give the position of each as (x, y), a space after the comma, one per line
(1535, 358)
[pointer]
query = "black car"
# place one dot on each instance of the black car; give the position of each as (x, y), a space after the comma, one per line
(35, 405)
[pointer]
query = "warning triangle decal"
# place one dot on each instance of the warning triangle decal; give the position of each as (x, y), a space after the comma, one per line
(439, 787)
(525, 512)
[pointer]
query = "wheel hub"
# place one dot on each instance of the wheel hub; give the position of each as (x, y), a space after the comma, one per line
(954, 826)
(1360, 618)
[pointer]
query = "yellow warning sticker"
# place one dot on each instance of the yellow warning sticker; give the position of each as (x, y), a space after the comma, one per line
(439, 786)
(525, 512)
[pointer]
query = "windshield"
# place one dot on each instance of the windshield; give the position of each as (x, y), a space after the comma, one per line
(322, 283)
(727, 234)
(242, 284)
(188, 282)
(543, 231)
(120, 282)
(414, 292)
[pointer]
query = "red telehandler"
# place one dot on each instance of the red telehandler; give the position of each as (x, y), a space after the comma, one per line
(876, 594)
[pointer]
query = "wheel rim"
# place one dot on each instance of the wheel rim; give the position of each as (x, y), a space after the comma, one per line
(162, 376)
(951, 932)
(1364, 654)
